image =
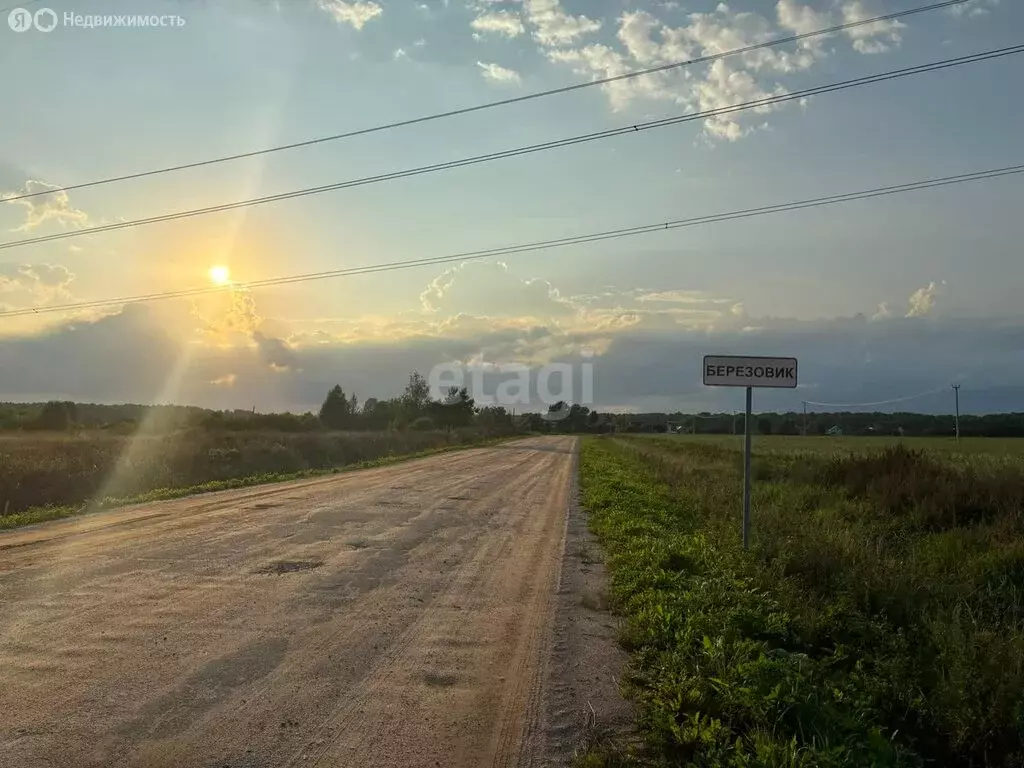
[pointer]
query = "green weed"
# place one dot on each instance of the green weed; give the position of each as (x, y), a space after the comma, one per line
(877, 620)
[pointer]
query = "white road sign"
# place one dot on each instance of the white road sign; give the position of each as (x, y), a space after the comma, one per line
(733, 371)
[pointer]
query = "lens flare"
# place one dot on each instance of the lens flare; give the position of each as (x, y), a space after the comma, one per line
(219, 274)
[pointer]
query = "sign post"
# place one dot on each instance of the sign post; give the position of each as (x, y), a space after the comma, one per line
(749, 372)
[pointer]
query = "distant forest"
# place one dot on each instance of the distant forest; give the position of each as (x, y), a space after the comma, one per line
(414, 409)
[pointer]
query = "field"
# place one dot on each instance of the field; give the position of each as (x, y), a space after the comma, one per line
(47, 475)
(997, 446)
(878, 618)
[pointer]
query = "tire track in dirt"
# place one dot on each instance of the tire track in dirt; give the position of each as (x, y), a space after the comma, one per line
(412, 636)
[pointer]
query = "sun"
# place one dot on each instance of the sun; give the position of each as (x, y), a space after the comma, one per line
(219, 274)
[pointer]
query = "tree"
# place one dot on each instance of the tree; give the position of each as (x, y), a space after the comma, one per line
(494, 418)
(335, 413)
(417, 392)
(353, 404)
(764, 425)
(57, 416)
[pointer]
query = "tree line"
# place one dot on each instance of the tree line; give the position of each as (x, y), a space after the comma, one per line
(415, 409)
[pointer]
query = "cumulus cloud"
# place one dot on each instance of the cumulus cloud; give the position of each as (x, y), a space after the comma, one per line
(922, 301)
(636, 32)
(801, 19)
(229, 319)
(128, 357)
(883, 312)
(643, 40)
(552, 26)
(647, 42)
(55, 207)
(498, 22)
(355, 14)
(488, 289)
(499, 74)
(974, 9)
(870, 38)
(34, 284)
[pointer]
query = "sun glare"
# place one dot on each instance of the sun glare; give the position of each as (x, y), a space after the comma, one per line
(219, 275)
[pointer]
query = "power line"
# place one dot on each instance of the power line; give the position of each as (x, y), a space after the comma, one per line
(529, 149)
(500, 103)
(19, 5)
(880, 402)
(542, 244)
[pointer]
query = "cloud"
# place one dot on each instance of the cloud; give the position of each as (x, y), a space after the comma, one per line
(55, 207)
(972, 10)
(643, 41)
(922, 301)
(227, 315)
(127, 357)
(801, 19)
(229, 319)
(355, 14)
(277, 353)
(35, 283)
(649, 42)
(498, 22)
(552, 26)
(678, 297)
(636, 32)
(883, 313)
(647, 344)
(870, 38)
(488, 289)
(499, 74)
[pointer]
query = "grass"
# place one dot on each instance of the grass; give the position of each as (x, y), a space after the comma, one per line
(41, 514)
(878, 618)
(997, 446)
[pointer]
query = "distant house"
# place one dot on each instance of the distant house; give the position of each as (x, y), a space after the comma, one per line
(836, 430)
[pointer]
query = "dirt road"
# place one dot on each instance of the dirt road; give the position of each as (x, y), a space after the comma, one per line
(390, 617)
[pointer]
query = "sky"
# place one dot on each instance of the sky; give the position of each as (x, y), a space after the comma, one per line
(880, 299)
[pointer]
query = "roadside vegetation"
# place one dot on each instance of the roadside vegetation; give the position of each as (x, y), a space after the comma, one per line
(878, 619)
(59, 458)
(46, 479)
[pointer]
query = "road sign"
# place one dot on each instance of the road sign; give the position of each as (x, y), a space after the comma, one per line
(749, 372)
(735, 371)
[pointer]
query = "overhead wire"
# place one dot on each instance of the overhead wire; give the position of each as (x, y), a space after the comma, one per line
(880, 402)
(504, 251)
(709, 58)
(19, 6)
(528, 149)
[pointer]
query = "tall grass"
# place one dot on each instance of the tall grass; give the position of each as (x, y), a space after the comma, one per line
(877, 619)
(43, 470)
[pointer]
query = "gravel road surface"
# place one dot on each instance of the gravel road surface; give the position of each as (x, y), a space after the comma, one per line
(394, 617)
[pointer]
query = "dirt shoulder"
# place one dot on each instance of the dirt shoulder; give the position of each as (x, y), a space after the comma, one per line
(582, 703)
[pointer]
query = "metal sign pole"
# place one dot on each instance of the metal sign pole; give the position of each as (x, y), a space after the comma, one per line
(747, 426)
(749, 372)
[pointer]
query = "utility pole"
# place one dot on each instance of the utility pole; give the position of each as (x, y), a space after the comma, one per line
(803, 429)
(956, 390)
